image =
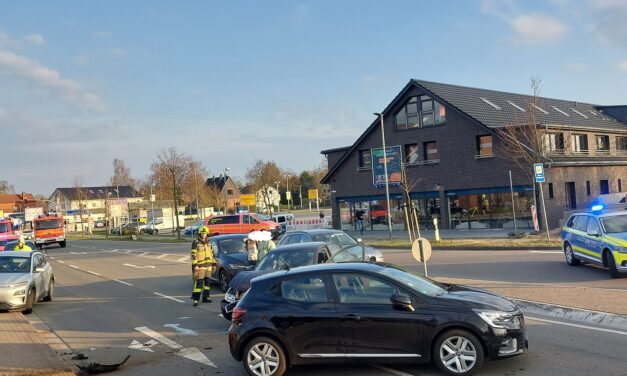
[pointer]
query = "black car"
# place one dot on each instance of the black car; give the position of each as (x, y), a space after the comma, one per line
(336, 239)
(280, 258)
(230, 254)
(370, 312)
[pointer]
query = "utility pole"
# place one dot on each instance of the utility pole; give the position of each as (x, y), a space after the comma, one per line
(196, 185)
(385, 172)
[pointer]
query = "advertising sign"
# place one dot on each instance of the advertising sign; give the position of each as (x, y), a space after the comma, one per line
(32, 213)
(538, 171)
(288, 195)
(312, 194)
(534, 217)
(248, 200)
(394, 160)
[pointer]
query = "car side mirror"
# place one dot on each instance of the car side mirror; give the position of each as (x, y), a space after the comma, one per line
(402, 302)
(359, 240)
(594, 233)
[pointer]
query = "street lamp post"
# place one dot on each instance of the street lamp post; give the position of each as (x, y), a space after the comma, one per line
(226, 202)
(152, 205)
(278, 203)
(385, 172)
(196, 185)
(286, 192)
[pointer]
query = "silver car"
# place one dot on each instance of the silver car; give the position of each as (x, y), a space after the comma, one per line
(337, 240)
(26, 277)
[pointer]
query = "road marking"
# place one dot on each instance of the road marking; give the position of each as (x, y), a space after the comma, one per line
(94, 273)
(162, 256)
(51, 258)
(62, 262)
(183, 259)
(122, 282)
(193, 353)
(159, 337)
(183, 331)
(78, 253)
(391, 370)
(74, 266)
(553, 252)
(576, 325)
(169, 297)
(139, 267)
(136, 345)
(143, 254)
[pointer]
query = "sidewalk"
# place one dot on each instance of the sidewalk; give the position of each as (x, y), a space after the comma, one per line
(430, 234)
(23, 346)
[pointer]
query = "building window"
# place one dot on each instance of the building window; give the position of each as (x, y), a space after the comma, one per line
(621, 144)
(554, 143)
(420, 111)
(365, 160)
(411, 154)
(550, 190)
(620, 185)
(605, 187)
(580, 143)
(431, 152)
(603, 144)
(229, 191)
(588, 193)
(484, 146)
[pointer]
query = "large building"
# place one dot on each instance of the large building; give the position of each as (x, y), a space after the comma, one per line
(448, 141)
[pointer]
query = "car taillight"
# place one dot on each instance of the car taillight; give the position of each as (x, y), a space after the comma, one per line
(236, 316)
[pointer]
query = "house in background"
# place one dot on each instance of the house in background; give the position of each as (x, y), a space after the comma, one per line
(16, 202)
(271, 195)
(446, 138)
(228, 190)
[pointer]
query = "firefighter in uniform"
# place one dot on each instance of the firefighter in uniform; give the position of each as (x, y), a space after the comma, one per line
(21, 245)
(203, 264)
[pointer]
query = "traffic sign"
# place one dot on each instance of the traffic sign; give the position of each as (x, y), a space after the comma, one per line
(248, 200)
(424, 254)
(538, 171)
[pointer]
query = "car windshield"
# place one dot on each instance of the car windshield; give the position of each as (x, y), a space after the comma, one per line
(14, 264)
(615, 224)
(232, 245)
(414, 281)
(260, 217)
(336, 238)
(48, 224)
(277, 260)
(4, 227)
(348, 254)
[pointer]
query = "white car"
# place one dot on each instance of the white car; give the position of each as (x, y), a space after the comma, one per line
(26, 278)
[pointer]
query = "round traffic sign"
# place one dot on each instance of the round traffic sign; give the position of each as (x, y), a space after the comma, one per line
(426, 250)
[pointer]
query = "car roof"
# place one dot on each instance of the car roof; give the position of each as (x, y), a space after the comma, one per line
(17, 253)
(300, 246)
(228, 236)
(347, 267)
(318, 231)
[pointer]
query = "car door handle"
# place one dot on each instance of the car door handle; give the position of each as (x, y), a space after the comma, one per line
(351, 317)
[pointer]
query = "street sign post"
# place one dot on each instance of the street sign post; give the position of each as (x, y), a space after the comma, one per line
(538, 172)
(421, 250)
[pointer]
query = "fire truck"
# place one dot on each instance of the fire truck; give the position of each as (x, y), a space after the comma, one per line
(49, 228)
(7, 233)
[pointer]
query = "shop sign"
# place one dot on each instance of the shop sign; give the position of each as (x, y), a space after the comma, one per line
(394, 160)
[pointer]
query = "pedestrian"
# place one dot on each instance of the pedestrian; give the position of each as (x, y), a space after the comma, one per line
(203, 264)
(251, 250)
(359, 218)
(21, 245)
(264, 243)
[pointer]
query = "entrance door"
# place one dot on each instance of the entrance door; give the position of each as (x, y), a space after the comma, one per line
(571, 195)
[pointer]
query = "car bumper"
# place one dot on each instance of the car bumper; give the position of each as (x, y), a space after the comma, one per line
(9, 302)
(227, 309)
(511, 344)
(40, 241)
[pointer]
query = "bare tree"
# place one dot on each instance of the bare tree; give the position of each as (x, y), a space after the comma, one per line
(262, 176)
(5, 187)
(411, 217)
(77, 184)
(176, 166)
(121, 175)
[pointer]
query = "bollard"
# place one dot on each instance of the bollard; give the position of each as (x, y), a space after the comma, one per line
(437, 233)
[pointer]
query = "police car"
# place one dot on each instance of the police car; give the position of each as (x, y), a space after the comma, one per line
(598, 237)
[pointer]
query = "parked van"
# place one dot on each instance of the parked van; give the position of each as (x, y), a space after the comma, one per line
(163, 225)
(282, 218)
(242, 223)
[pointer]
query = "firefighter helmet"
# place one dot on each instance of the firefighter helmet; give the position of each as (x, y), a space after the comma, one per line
(203, 230)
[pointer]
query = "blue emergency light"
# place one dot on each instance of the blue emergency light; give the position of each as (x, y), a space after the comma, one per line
(597, 208)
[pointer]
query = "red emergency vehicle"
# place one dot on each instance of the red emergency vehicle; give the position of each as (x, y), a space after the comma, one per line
(49, 229)
(7, 234)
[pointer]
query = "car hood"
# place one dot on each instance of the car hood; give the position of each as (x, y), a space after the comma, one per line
(477, 298)
(619, 235)
(241, 281)
(239, 258)
(13, 278)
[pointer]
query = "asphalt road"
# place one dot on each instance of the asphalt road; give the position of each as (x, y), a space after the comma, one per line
(118, 298)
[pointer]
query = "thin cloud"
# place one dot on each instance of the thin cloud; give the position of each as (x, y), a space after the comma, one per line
(36, 73)
(35, 39)
(117, 52)
(538, 29)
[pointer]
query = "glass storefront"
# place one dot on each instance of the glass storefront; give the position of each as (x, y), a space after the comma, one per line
(490, 208)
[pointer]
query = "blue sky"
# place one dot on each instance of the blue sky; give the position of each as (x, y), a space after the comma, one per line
(229, 82)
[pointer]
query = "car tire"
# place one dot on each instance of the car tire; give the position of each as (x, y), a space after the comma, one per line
(30, 302)
(264, 352)
(62, 244)
(458, 352)
(570, 255)
(611, 264)
(50, 296)
(223, 279)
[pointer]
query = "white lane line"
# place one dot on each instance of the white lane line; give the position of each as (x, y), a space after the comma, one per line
(139, 267)
(74, 266)
(122, 282)
(159, 337)
(576, 325)
(94, 273)
(62, 262)
(51, 258)
(143, 254)
(169, 297)
(554, 252)
(162, 256)
(391, 370)
(78, 253)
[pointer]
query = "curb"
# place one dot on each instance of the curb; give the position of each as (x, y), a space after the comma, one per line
(444, 248)
(602, 319)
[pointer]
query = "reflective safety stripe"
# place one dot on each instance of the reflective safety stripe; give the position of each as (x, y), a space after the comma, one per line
(586, 251)
(207, 288)
(615, 241)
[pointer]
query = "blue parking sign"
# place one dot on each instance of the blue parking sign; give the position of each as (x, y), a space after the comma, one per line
(538, 171)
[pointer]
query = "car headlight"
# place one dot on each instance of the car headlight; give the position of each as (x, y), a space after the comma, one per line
(499, 319)
(20, 292)
(237, 266)
(621, 249)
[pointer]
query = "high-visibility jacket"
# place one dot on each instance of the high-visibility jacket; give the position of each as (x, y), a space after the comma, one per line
(24, 248)
(202, 254)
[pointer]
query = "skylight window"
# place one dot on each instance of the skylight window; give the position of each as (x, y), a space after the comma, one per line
(577, 112)
(593, 113)
(92, 192)
(490, 103)
(539, 109)
(517, 106)
(560, 111)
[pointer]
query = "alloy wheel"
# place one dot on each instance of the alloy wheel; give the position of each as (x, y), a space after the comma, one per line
(569, 254)
(263, 359)
(458, 354)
